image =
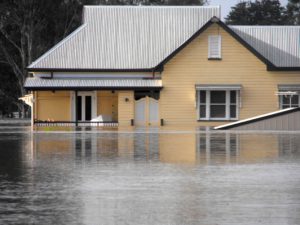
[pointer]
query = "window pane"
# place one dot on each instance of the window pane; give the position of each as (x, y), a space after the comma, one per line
(217, 111)
(233, 111)
(88, 108)
(78, 108)
(203, 96)
(203, 111)
(286, 99)
(295, 99)
(233, 97)
(218, 96)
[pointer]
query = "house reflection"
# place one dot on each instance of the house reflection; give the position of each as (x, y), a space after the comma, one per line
(187, 148)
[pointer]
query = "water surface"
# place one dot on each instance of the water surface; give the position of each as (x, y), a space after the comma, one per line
(157, 177)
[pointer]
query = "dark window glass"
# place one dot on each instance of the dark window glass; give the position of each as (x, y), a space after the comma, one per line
(233, 97)
(202, 111)
(295, 100)
(233, 111)
(78, 108)
(286, 99)
(203, 96)
(285, 106)
(218, 97)
(88, 108)
(217, 111)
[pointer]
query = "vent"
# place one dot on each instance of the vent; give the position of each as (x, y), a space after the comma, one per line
(214, 47)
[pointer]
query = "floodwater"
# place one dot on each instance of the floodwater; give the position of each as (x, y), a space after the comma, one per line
(156, 177)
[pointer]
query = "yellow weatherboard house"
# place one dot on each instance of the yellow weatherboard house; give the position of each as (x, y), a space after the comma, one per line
(154, 66)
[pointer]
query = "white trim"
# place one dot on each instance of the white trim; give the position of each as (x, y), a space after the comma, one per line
(253, 118)
(227, 105)
(291, 95)
(93, 95)
(214, 40)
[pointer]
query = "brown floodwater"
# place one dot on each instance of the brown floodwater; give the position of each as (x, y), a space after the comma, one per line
(90, 176)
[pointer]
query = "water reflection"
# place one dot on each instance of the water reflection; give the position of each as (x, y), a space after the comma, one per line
(149, 178)
(199, 148)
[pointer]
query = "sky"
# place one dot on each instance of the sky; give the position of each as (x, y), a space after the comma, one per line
(227, 4)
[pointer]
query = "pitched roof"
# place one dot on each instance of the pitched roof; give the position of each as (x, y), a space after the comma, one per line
(143, 38)
(279, 44)
(130, 37)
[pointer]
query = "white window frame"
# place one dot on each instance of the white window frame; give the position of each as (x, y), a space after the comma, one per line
(281, 99)
(219, 55)
(93, 94)
(227, 105)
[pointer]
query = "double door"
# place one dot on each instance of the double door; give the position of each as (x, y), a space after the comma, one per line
(146, 112)
(85, 108)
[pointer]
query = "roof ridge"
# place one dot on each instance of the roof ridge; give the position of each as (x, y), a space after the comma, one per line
(151, 6)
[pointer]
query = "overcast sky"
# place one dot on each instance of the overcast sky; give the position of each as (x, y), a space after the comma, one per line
(227, 4)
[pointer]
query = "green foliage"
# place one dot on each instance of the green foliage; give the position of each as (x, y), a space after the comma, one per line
(293, 12)
(28, 28)
(263, 12)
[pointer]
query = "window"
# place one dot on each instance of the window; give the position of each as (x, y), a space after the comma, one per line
(218, 104)
(214, 47)
(289, 100)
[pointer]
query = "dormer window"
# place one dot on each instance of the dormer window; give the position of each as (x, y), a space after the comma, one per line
(214, 47)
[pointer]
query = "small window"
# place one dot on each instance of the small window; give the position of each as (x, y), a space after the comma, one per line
(288, 101)
(214, 47)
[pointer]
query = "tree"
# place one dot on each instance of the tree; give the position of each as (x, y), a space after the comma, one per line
(263, 12)
(29, 28)
(293, 12)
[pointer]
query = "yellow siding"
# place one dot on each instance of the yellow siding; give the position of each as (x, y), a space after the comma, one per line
(238, 66)
(107, 104)
(126, 109)
(53, 105)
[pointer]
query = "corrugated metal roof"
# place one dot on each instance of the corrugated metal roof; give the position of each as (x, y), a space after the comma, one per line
(36, 83)
(133, 37)
(279, 44)
(289, 87)
(140, 37)
(218, 87)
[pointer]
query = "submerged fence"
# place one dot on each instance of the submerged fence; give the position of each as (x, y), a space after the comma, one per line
(72, 123)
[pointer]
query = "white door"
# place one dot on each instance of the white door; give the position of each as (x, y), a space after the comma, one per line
(86, 108)
(146, 112)
(153, 112)
(140, 112)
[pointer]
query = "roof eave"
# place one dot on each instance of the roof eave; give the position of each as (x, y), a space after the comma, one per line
(89, 88)
(156, 69)
(275, 68)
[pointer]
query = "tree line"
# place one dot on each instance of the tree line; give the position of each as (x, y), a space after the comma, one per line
(28, 28)
(264, 12)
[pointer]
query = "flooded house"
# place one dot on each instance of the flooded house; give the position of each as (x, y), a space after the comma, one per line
(164, 65)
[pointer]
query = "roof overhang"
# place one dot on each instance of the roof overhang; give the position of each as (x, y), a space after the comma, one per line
(218, 87)
(92, 84)
(289, 87)
(156, 69)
